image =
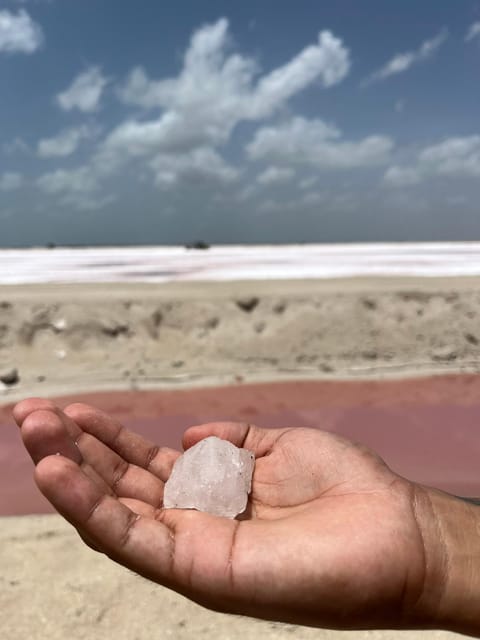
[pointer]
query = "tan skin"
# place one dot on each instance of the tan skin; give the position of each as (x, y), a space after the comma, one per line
(331, 537)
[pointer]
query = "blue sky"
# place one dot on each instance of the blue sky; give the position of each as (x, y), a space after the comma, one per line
(157, 123)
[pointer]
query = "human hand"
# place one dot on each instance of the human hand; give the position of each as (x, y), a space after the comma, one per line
(331, 537)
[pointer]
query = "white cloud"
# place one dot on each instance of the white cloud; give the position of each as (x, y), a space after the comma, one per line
(315, 143)
(275, 175)
(87, 202)
(327, 60)
(308, 182)
(85, 91)
(454, 157)
(403, 61)
(202, 164)
(396, 176)
(10, 180)
(64, 143)
(19, 33)
(210, 77)
(473, 31)
(194, 115)
(216, 90)
(75, 188)
(81, 180)
(169, 133)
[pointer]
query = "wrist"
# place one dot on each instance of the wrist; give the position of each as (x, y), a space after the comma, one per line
(450, 530)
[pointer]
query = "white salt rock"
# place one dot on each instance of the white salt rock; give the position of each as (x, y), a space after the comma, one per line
(213, 476)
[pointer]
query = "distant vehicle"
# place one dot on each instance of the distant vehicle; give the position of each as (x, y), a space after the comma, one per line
(199, 244)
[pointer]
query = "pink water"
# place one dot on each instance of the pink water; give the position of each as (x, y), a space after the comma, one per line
(427, 430)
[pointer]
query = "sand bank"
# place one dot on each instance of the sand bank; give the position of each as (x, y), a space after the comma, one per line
(64, 339)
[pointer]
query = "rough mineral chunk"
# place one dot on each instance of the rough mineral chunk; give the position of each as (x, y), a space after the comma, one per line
(213, 476)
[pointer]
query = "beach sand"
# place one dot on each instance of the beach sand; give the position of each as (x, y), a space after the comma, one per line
(68, 340)
(55, 588)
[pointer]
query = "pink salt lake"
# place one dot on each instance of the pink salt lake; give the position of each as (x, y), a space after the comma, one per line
(426, 429)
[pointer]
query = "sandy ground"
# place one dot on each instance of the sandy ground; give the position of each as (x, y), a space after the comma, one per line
(67, 339)
(63, 339)
(53, 587)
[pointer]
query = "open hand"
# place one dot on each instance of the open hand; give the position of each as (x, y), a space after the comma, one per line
(330, 537)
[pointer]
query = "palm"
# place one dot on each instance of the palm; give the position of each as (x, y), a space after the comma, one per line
(329, 535)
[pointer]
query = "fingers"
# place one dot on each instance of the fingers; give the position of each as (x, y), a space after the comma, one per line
(247, 436)
(100, 518)
(130, 446)
(46, 430)
(44, 433)
(26, 407)
(167, 546)
(125, 479)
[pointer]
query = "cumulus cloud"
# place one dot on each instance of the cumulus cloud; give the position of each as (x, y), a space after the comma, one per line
(317, 144)
(19, 33)
(216, 89)
(202, 164)
(275, 175)
(86, 202)
(327, 60)
(396, 176)
(189, 117)
(403, 61)
(473, 31)
(64, 143)
(81, 180)
(169, 133)
(85, 91)
(454, 157)
(78, 188)
(10, 181)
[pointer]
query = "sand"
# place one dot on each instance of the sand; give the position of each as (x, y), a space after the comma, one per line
(54, 588)
(71, 339)
(64, 339)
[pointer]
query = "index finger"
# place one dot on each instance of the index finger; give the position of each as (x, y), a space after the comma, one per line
(129, 445)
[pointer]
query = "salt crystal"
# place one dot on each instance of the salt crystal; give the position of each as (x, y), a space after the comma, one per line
(213, 476)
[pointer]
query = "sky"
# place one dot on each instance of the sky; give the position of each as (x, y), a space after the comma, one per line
(140, 122)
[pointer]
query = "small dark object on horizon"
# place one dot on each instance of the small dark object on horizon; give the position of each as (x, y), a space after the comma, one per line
(199, 244)
(50, 245)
